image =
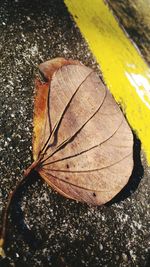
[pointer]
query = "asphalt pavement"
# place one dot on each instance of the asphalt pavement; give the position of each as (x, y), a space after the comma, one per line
(45, 229)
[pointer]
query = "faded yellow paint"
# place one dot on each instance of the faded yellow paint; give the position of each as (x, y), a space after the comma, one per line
(124, 70)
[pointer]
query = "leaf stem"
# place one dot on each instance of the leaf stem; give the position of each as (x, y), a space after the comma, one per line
(11, 195)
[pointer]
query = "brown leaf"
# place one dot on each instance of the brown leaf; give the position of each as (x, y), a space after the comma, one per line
(82, 143)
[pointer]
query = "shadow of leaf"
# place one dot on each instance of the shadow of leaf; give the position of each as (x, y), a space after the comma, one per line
(136, 176)
(17, 214)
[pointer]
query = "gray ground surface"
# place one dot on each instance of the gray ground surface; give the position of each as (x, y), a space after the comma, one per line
(134, 16)
(46, 229)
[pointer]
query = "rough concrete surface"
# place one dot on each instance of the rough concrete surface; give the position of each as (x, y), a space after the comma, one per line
(45, 229)
(135, 18)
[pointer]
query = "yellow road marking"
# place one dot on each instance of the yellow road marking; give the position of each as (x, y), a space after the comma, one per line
(125, 71)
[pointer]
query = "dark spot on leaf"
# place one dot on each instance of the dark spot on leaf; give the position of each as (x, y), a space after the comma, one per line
(67, 166)
(94, 195)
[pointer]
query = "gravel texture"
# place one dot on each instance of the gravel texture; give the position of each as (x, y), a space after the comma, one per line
(46, 229)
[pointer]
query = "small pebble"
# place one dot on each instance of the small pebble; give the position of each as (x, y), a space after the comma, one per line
(100, 246)
(125, 257)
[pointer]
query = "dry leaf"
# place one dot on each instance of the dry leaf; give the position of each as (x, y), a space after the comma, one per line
(82, 143)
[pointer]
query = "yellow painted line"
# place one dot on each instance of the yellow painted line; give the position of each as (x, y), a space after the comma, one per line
(124, 70)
